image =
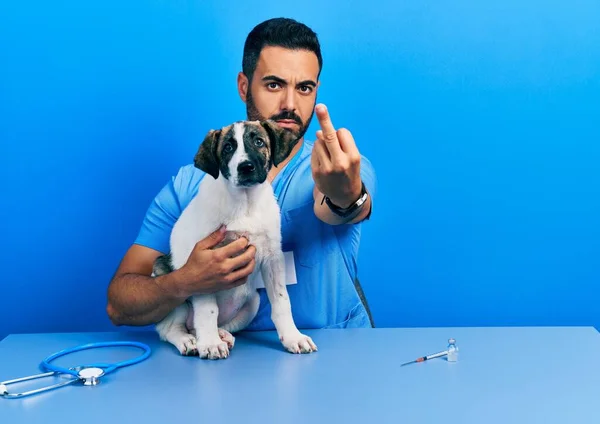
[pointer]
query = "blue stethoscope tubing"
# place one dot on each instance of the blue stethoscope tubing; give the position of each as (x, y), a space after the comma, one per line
(106, 367)
(88, 374)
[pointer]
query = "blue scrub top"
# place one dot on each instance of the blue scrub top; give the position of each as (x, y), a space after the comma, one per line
(325, 256)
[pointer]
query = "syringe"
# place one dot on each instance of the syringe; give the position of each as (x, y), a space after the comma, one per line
(426, 358)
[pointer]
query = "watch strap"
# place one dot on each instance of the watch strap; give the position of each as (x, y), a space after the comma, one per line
(345, 212)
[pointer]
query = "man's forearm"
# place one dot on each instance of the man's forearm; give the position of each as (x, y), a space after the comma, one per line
(137, 300)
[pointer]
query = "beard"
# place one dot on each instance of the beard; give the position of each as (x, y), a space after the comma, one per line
(254, 114)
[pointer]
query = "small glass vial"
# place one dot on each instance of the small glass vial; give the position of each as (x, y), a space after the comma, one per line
(452, 351)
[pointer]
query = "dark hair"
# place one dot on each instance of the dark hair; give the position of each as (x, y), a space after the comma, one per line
(280, 32)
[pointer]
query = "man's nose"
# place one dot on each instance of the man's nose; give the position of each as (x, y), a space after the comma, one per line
(288, 99)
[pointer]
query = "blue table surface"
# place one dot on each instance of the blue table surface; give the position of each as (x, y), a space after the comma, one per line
(504, 375)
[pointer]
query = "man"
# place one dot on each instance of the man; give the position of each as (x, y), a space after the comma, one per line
(319, 189)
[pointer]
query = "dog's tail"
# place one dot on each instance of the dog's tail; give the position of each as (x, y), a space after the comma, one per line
(162, 265)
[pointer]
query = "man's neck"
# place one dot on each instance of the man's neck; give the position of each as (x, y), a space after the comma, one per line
(276, 170)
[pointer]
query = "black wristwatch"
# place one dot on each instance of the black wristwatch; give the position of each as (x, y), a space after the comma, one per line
(345, 212)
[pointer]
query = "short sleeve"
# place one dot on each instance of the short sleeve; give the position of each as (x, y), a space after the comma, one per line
(163, 212)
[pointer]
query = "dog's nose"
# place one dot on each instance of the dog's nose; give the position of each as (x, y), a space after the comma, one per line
(246, 167)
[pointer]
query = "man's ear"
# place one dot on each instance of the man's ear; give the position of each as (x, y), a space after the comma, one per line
(206, 157)
(282, 141)
(243, 86)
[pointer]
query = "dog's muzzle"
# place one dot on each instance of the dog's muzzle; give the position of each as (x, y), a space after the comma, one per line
(245, 168)
(249, 174)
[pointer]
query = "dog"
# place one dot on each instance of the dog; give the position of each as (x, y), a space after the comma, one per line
(235, 193)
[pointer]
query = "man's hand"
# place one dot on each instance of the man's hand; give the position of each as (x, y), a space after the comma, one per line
(335, 162)
(211, 268)
(136, 298)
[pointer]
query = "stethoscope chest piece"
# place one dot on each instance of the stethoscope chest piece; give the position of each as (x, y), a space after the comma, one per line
(90, 376)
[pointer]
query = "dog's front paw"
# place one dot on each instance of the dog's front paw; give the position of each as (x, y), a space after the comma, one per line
(213, 349)
(227, 337)
(186, 344)
(297, 343)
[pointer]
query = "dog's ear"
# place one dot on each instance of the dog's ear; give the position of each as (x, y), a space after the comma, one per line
(206, 157)
(282, 141)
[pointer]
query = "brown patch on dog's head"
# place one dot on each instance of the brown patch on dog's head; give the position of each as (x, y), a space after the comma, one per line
(282, 141)
(207, 157)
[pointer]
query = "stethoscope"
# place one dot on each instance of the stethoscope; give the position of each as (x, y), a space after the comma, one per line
(89, 374)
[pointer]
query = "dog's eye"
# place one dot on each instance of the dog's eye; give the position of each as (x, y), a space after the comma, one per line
(227, 147)
(259, 142)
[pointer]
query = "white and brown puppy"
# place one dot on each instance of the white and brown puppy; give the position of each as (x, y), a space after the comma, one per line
(235, 193)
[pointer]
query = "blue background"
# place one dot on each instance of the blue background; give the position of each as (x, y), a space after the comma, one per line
(481, 119)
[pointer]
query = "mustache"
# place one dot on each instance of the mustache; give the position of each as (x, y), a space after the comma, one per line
(287, 115)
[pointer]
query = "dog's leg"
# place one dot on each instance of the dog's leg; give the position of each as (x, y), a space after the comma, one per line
(244, 316)
(172, 329)
(273, 273)
(208, 340)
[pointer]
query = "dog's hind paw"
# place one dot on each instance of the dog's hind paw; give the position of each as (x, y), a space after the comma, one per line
(187, 345)
(298, 343)
(218, 350)
(227, 337)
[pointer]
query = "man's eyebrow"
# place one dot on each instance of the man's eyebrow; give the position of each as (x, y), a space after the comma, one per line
(308, 82)
(273, 78)
(282, 81)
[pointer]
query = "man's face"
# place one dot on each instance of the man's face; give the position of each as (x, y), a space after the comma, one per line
(283, 88)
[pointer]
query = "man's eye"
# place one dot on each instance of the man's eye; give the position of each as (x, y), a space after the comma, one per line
(259, 142)
(305, 89)
(273, 85)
